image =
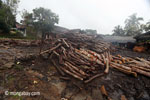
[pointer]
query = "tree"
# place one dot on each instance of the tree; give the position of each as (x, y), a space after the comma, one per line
(27, 18)
(0, 4)
(118, 31)
(13, 5)
(132, 25)
(146, 27)
(42, 20)
(7, 19)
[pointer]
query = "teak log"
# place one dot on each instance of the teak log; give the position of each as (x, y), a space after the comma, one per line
(107, 66)
(141, 71)
(65, 42)
(139, 67)
(121, 66)
(51, 49)
(72, 74)
(79, 70)
(143, 60)
(93, 77)
(125, 71)
(140, 63)
(72, 70)
(89, 58)
(58, 68)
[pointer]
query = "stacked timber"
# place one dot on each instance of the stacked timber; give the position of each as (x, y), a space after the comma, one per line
(85, 58)
(80, 63)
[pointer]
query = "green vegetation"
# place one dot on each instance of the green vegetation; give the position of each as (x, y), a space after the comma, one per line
(118, 31)
(146, 27)
(40, 21)
(132, 27)
(8, 9)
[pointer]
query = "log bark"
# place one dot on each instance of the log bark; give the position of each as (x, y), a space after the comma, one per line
(92, 78)
(143, 60)
(72, 70)
(139, 67)
(121, 66)
(107, 66)
(125, 71)
(75, 68)
(138, 63)
(141, 71)
(72, 74)
(51, 49)
(58, 68)
(65, 43)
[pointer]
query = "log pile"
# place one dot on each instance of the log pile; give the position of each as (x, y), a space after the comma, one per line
(131, 66)
(72, 56)
(91, 42)
(85, 58)
(20, 42)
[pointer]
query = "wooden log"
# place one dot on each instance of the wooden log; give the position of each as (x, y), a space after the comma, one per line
(58, 68)
(56, 53)
(93, 77)
(72, 70)
(104, 60)
(79, 59)
(109, 56)
(89, 58)
(143, 60)
(141, 71)
(51, 49)
(78, 70)
(121, 66)
(95, 54)
(139, 67)
(107, 66)
(117, 61)
(64, 51)
(118, 58)
(65, 43)
(72, 74)
(138, 63)
(63, 48)
(129, 72)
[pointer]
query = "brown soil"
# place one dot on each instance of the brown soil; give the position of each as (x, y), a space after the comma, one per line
(20, 71)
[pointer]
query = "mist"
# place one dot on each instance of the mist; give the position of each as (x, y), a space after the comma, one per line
(101, 15)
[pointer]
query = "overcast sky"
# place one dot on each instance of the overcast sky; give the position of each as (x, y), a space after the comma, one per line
(101, 15)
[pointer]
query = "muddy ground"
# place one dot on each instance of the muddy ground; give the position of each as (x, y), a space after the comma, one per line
(22, 71)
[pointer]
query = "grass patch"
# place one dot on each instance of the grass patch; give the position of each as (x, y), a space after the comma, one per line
(18, 67)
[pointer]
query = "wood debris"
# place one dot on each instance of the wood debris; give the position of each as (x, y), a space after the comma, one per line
(78, 61)
(131, 65)
(85, 59)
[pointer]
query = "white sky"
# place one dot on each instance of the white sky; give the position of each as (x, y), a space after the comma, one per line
(101, 15)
